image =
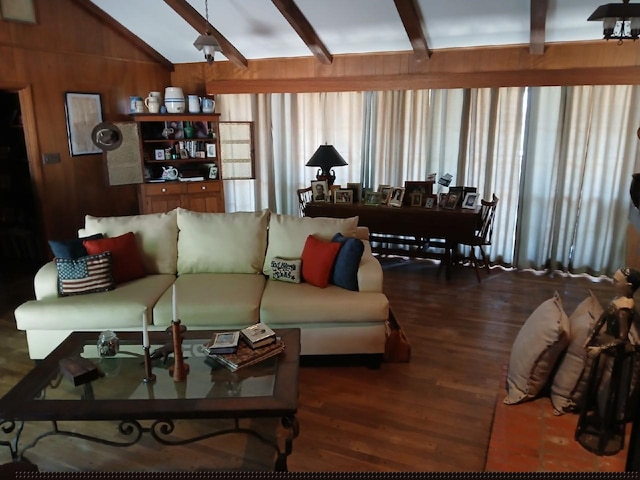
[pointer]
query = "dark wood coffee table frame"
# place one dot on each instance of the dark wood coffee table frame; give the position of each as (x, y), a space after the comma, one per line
(20, 404)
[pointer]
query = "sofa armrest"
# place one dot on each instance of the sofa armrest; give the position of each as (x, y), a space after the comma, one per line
(45, 283)
(369, 272)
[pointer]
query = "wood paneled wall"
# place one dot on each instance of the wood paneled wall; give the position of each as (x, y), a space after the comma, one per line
(71, 50)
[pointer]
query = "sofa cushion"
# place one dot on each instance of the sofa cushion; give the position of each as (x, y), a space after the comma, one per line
(125, 256)
(345, 268)
(536, 349)
(213, 300)
(221, 242)
(71, 248)
(570, 380)
(286, 270)
(304, 304)
(317, 261)
(288, 234)
(156, 235)
(88, 274)
(119, 308)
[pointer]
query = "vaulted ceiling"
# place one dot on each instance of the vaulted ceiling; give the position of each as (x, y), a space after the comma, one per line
(258, 29)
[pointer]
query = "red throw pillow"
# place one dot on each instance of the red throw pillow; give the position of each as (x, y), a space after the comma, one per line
(317, 261)
(126, 260)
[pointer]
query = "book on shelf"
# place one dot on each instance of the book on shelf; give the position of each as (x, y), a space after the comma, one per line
(246, 356)
(258, 335)
(223, 342)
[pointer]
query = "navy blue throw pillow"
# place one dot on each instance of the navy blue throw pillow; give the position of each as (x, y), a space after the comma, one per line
(71, 248)
(345, 267)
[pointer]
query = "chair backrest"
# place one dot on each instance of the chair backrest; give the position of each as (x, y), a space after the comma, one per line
(304, 197)
(487, 214)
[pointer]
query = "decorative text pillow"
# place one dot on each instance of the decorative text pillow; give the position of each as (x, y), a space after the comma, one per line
(345, 268)
(71, 248)
(125, 256)
(317, 261)
(536, 349)
(84, 275)
(286, 270)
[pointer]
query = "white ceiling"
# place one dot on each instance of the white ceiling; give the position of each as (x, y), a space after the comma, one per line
(258, 30)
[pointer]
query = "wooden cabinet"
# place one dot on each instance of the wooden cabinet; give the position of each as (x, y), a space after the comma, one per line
(190, 144)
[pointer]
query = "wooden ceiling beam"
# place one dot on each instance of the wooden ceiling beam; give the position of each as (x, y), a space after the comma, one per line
(303, 28)
(193, 18)
(411, 19)
(112, 23)
(538, 26)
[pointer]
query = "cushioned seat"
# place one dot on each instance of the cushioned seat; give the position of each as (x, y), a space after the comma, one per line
(225, 300)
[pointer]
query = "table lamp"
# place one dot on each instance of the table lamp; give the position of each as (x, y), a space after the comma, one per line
(325, 158)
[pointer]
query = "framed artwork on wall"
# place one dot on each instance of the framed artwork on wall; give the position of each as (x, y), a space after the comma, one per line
(18, 11)
(83, 112)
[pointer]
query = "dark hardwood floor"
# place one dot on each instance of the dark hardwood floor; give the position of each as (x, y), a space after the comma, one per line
(431, 414)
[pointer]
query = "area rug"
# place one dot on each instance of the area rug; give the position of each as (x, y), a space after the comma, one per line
(529, 437)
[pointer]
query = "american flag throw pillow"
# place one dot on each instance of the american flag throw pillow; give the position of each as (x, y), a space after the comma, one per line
(85, 274)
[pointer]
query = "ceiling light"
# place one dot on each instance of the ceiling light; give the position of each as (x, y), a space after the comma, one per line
(205, 42)
(620, 21)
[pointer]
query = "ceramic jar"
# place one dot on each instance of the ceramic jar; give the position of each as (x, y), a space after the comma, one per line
(174, 100)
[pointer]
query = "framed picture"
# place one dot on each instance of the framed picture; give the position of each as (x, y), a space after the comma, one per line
(442, 199)
(344, 195)
(372, 198)
(211, 150)
(470, 200)
(159, 153)
(395, 197)
(83, 112)
(451, 200)
(18, 11)
(411, 187)
(430, 202)
(184, 153)
(384, 193)
(332, 192)
(320, 191)
(357, 191)
(416, 199)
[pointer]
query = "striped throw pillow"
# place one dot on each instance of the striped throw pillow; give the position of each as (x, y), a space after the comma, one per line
(85, 274)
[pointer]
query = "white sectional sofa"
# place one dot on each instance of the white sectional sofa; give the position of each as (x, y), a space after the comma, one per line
(220, 264)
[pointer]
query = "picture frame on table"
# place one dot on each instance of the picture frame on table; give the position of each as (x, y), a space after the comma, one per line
(384, 190)
(470, 200)
(451, 201)
(159, 154)
(211, 150)
(357, 191)
(372, 198)
(83, 112)
(319, 191)
(344, 195)
(332, 192)
(396, 195)
(410, 187)
(430, 202)
(415, 200)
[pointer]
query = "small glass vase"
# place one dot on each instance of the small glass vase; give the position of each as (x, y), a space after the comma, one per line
(108, 344)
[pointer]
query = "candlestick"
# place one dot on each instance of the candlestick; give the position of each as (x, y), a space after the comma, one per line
(145, 330)
(179, 370)
(149, 376)
(174, 305)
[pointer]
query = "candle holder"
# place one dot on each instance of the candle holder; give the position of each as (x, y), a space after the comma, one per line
(149, 376)
(179, 370)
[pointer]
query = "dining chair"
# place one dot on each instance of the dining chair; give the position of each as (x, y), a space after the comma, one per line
(483, 235)
(304, 197)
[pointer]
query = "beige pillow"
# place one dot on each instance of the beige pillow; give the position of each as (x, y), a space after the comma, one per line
(536, 349)
(288, 234)
(156, 234)
(221, 242)
(570, 379)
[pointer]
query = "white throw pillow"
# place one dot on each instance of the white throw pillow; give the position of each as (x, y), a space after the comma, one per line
(221, 242)
(570, 380)
(536, 349)
(288, 234)
(156, 234)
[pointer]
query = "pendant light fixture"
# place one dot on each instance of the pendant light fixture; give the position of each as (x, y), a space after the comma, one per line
(206, 42)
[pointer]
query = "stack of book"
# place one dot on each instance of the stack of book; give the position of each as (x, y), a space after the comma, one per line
(258, 343)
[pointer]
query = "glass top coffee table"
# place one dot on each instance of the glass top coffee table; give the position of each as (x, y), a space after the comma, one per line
(211, 391)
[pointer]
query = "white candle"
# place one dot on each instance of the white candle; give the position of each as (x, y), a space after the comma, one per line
(145, 331)
(174, 305)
